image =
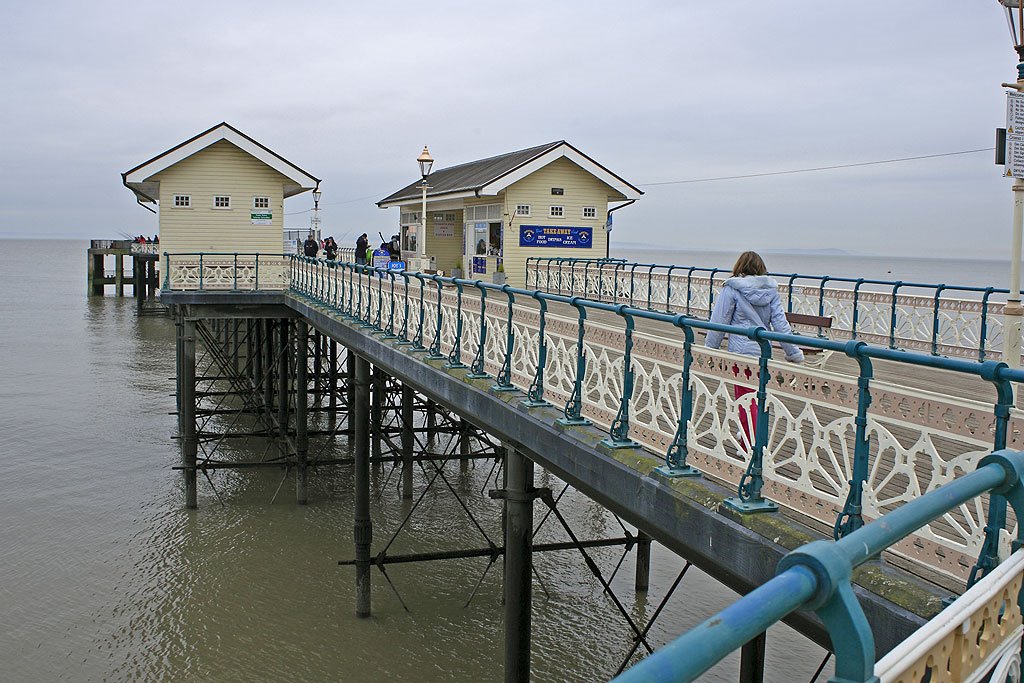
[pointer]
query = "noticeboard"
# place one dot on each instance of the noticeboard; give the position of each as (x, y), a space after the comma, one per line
(479, 264)
(555, 236)
(381, 258)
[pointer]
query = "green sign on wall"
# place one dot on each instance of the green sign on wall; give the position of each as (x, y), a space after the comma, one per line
(261, 217)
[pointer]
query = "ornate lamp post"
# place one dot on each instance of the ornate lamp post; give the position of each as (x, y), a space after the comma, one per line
(1013, 312)
(426, 162)
(314, 220)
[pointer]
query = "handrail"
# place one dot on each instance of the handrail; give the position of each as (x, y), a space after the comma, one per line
(818, 576)
(749, 494)
(929, 319)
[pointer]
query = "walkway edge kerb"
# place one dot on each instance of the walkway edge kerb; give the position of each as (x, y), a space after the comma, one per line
(668, 510)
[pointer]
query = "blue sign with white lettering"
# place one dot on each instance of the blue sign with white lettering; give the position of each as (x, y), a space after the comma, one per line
(396, 265)
(555, 236)
(381, 258)
(479, 264)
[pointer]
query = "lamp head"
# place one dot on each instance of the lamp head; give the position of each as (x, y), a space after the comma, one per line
(316, 197)
(1015, 22)
(425, 161)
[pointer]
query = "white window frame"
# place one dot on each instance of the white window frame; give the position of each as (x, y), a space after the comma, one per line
(561, 211)
(522, 210)
(592, 209)
(221, 196)
(176, 201)
(256, 202)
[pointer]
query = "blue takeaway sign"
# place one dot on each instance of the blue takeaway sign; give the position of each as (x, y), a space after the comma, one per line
(555, 236)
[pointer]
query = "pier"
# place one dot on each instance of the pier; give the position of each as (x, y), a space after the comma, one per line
(143, 277)
(618, 401)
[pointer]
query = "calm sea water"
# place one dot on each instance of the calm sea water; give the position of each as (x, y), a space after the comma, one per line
(104, 575)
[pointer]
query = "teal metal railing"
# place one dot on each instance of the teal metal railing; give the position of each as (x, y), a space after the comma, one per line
(818, 577)
(939, 319)
(369, 297)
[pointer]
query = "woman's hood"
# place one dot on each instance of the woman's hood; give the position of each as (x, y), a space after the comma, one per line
(757, 289)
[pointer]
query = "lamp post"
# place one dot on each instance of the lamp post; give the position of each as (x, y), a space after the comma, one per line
(426, 162)
(1013, 312)
(314, 221)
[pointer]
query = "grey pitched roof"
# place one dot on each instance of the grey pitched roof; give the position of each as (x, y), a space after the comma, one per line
(470, 176)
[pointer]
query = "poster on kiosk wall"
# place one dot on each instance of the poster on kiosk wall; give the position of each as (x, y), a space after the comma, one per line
(555, 236)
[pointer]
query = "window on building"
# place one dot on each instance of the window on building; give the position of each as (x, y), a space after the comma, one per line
(557, 211)
(482, 213)
(522, 209)
(590, 212)
(221, 201)
(261, 202)
(182, 201)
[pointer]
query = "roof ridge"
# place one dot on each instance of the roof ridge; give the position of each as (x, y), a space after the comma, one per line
(545, 146)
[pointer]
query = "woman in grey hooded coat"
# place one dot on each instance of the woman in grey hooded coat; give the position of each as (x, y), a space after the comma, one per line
(750, 299)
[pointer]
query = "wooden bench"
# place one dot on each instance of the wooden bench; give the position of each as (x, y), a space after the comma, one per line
(813, 356)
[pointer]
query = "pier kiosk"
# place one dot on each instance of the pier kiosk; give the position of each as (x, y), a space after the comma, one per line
(220, 191)
(488, 216)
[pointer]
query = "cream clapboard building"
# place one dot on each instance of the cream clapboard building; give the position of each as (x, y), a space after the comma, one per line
(220, 191)
(550, 200)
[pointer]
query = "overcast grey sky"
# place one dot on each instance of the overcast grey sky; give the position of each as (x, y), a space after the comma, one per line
(656, 91)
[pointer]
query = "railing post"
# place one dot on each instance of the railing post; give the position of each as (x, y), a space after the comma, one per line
(856, 311)
(789, 292)
(988, 556)
(535, 393)
(200, 272)
(689, 287)
(618, 433)
(668, 289)
(821, 298)
(417, 340)
(748, 496)
(851, 518)
(573, 412)
(167, 268)
(435, 347)
(404, 336)
(935, 320)
(389, 331)
(984, 326)
(650, 285)
(504, 380)
(455, 357)
(711, 289)
(476, 369)
(892, 320)
(675, 457)
(632, 280)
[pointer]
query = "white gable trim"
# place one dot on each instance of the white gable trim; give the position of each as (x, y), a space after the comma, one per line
(432, 200)
(222, 132)
(572, 155)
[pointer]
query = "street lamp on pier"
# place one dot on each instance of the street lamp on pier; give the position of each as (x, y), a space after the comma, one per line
(314, 221)
(1012, 314)
(426, 162)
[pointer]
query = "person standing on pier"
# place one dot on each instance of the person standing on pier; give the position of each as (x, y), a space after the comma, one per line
(750, 299)
(362, 243)
(330, 249)
(310, 247)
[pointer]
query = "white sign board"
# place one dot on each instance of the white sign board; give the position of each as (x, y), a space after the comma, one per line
(1015, 116)
(1014, 159)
